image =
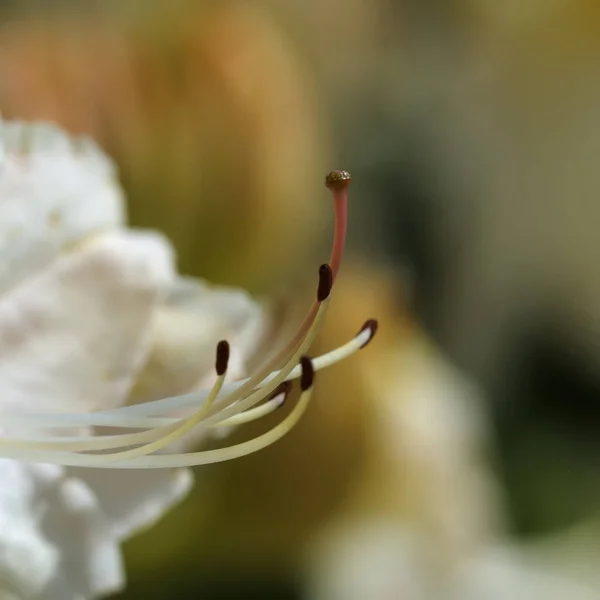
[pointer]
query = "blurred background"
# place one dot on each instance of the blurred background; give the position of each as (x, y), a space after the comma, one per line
(472, 131)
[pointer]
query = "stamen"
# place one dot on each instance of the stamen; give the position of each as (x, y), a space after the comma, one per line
(302, 346)
(154, 439)
(238, 450)
(222, 357)
(371, 325)
(159, 461)
(134, 416)
(277, 400)
(172, 433)
(325, 283)
(308, 373)
(267, 387)
(36, 452)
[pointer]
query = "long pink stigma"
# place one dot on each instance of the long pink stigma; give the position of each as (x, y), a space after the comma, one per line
(337, 182)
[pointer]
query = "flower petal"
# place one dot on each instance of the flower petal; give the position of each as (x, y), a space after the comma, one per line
(27, 559)
(502, 572)
(54, 544)
(90, 560)
(186, 329)
(74, 336)
(135, 500)
(378, 558)
(54, 191)
(375, 558)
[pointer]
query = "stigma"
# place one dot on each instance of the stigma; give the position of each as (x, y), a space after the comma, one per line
(150, 429)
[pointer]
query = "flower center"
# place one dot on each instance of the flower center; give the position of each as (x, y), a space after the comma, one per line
(225, 404)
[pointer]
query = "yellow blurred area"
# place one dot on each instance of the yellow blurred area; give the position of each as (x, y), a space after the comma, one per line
(259, 514)
(209, 114)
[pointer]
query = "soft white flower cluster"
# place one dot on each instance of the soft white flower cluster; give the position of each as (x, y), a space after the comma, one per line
(92, 316)
(112, 366)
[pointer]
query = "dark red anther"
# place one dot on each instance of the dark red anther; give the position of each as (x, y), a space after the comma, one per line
(222, 357)
(325, 282)
(372, 325)
(308, 373)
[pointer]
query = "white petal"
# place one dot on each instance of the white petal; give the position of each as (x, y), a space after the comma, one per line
(73, 337)
(378, 559)
(135, 500)
(381, 560)
(55, 541)
(28, 560)
(186, 329)
(54, 191)
(90, 561)
(431, 419)
(503, 573)
(60, 533)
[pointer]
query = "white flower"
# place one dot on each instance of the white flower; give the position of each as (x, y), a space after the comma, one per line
(381, 559)
(446, 540)
(104, 352)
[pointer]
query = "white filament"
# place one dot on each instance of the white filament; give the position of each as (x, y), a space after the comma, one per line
(234, 408)
(162, 461)
(138, 415)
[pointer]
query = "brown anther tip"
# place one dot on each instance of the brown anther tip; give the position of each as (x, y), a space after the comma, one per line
(325, 282)
(283, 388)
(337, 180)
(308, 373)
(222, 357)
(372, 325)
